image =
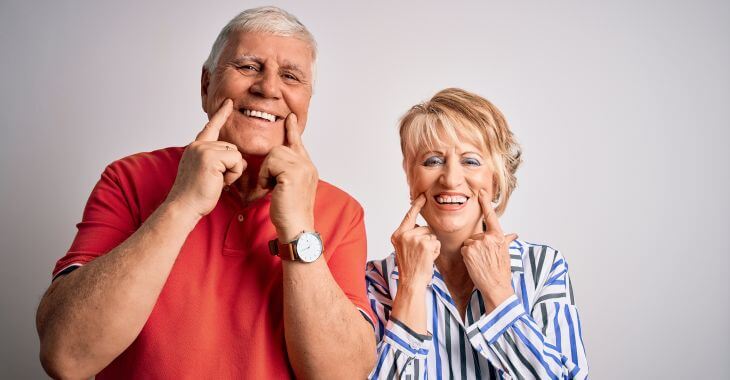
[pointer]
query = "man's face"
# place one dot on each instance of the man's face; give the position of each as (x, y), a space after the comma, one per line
(267, 77)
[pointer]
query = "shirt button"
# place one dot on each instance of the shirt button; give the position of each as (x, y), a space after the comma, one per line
(226, 187)
(240, 217)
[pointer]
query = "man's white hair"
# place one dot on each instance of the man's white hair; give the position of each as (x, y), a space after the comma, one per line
(269, 19)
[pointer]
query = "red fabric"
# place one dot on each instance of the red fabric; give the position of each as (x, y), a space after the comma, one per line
(220, 312)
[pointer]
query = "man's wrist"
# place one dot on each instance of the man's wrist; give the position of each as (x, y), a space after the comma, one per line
(289, 233)
(181, 212)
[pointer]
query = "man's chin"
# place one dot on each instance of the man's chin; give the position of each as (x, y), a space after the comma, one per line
(253, 147)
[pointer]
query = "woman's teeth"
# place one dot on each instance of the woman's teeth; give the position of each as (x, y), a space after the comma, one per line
(452, 199)
(259, 114)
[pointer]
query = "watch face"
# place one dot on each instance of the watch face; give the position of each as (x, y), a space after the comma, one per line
(309, 247)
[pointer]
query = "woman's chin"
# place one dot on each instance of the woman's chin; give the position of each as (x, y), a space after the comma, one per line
(445, 227)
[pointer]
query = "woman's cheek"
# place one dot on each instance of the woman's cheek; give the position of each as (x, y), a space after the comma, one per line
(481, 181)
(414, 182)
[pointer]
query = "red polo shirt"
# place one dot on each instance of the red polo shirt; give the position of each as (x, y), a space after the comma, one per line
(219, 314)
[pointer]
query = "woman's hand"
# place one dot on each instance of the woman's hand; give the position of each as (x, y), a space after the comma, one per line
(487, 260)
(416, 249)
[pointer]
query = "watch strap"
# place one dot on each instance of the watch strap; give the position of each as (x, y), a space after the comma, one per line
(287, 251)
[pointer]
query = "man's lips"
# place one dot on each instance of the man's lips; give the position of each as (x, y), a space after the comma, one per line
(260, 114)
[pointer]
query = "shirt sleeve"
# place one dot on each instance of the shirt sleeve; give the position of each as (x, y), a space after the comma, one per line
(545, 343)
(401, 352)
(107, 221)
(347, 261)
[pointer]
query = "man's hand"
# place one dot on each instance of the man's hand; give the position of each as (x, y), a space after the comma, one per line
(416, 248)
(206, 166)
(289, 170)
(487, 260)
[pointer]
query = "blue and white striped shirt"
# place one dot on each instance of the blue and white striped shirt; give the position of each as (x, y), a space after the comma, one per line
(534, 334)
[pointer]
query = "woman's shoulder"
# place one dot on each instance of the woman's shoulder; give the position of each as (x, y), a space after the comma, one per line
(541, 265)
(532, 247)
(382, 267)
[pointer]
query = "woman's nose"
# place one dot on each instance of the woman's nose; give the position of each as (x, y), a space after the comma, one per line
(453, 175)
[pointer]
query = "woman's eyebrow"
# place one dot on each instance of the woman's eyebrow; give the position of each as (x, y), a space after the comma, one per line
(423, 154)
(471, 152)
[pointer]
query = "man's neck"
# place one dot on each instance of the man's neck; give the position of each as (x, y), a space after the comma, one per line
(246, 184)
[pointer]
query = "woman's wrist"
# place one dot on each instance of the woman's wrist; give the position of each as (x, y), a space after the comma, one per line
(409, 307)
(494, 297)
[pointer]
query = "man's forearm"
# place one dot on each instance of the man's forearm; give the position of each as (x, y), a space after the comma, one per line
(326, 336)
(88, 317)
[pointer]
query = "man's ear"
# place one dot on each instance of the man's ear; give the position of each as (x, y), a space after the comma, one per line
(204, 82)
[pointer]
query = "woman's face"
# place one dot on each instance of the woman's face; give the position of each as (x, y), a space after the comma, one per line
(450, 177)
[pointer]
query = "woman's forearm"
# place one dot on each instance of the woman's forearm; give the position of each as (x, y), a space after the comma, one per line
(409, 307)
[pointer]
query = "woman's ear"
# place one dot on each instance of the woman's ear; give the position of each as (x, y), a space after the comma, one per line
(406, 169)
(495, 187)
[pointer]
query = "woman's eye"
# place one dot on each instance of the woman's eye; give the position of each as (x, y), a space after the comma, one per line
(471, 162)
(433, 161)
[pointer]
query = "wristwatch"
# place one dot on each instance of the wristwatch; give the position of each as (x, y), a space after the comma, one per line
(307, 247)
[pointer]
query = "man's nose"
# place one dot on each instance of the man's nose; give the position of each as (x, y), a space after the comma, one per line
(452, 175)
(267, 85)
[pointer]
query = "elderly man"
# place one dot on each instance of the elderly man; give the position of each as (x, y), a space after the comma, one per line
(224, 259)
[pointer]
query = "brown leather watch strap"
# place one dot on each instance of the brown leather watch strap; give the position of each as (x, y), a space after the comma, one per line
(283, 250)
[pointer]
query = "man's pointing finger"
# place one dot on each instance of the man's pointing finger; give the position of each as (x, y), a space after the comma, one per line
(212, 129)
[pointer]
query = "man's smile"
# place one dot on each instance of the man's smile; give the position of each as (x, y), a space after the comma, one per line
(260, 114)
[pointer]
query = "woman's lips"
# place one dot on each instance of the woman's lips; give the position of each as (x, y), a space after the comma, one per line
(449, 201)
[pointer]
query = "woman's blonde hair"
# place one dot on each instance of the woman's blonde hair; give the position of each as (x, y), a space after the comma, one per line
(453, 115)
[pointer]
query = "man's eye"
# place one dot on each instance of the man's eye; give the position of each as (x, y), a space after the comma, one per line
(433, 161)
(471, 162)
(248, 68)
(290, 77)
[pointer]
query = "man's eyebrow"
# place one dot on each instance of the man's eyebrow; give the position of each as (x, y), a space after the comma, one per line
(247, 57)
(288, 65)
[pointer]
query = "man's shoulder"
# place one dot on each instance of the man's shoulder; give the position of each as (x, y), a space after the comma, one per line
(336, 206)
(152, 159)
(146, 171)
(156, 162)
(333, 195)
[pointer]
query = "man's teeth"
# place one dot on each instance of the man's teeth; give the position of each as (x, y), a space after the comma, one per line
(450, 199)
(259, 114)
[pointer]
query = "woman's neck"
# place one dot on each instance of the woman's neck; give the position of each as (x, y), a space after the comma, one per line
(452, 241)
(450, 263)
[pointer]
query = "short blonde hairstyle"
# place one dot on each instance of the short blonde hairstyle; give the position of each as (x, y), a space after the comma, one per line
(453, 115)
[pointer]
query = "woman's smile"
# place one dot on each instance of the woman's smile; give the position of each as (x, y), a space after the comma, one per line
(451, 177)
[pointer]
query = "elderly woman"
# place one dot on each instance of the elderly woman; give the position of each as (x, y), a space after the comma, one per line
(458, 298)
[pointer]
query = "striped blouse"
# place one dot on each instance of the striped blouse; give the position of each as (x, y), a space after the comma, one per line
(535, 333)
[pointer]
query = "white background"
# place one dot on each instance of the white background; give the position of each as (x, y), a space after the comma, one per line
(621, 109)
